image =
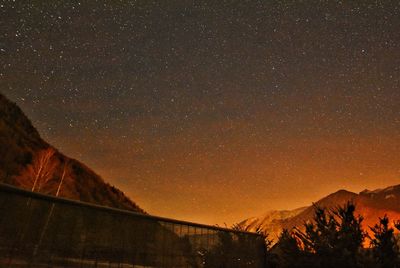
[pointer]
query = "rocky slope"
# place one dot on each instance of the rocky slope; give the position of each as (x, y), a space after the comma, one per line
(22, 149)
(370, 204)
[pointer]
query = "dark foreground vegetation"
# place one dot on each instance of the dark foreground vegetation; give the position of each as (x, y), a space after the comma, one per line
(336, 239)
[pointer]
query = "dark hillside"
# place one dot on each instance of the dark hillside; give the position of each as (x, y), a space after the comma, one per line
(21, 145)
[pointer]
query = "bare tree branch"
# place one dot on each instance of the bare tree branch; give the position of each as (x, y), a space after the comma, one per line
(42, 168)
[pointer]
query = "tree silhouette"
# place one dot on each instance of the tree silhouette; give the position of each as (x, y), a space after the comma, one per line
(335, 238)
(237, 250)
(384, 244)
(350, 234)
(270, 257)
(288, 250)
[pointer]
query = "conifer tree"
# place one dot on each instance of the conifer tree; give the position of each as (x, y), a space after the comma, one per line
(290, 253)
(384, 244)
(334, 239)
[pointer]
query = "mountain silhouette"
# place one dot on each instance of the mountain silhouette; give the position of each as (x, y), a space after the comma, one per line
(21, 147)
(369, 204)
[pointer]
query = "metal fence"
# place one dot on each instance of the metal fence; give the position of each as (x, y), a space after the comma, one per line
(43, 231)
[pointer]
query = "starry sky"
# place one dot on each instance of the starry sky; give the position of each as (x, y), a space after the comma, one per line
(212, 111)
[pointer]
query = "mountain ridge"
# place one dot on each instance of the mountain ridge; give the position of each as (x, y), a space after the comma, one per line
(369, 204)
(22, 145)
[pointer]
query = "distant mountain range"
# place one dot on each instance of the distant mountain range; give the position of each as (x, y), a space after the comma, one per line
(370, 204)
(22, 147)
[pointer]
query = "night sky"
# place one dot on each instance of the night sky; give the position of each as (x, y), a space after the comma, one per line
(212, 111)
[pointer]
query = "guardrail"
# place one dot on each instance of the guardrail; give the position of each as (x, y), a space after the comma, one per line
(37, 230)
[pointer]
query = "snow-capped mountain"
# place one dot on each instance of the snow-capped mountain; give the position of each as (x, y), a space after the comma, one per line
(370, 204)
